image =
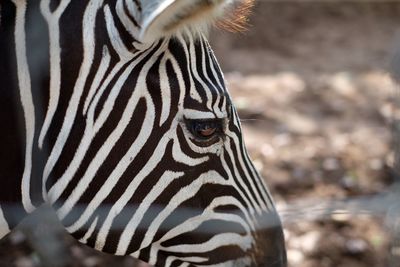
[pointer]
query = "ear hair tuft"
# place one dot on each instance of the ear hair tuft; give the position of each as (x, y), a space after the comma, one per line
(237, 20)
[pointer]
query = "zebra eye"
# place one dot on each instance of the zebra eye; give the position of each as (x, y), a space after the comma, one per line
(205, 129)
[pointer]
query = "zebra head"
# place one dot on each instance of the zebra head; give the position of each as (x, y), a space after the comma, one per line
(139, 148)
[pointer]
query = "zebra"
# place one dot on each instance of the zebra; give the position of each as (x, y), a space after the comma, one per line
(116, 114)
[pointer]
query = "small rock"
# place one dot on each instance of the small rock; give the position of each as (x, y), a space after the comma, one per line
(287, 234)
(307, 242)
(376, 164)
(267, 150)
(310, 241)
(295, 257)
(282, 139)
(330, 164)
(356, 246)
(348, 182)
(390, 160)
(340, 216)
(343, 84)
(299, 173)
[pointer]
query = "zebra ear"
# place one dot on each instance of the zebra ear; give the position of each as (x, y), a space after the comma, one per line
(161, 18)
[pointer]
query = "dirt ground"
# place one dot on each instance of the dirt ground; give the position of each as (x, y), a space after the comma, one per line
(311, 84)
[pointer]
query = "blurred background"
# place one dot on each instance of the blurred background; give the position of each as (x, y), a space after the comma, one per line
(319, 110)
(311, 83)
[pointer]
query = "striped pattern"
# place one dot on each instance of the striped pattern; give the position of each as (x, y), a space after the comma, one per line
(99, 127)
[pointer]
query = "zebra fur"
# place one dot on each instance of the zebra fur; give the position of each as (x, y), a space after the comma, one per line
(103, 103)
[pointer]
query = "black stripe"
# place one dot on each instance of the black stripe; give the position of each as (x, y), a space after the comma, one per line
(126, 9)
(12, 134)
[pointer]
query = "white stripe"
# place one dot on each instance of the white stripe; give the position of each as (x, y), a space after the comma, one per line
(179, 156)
(24, 82)
(116, 88)
(184, 194)
(214, 72)
(193, 67)
(114, 36)
(104, 64)
(133, 10)
(247, 175)
(88, 23)
(260, 182)
(131, 189)
(88, 136)
(106, 148)
(133, 223)
(204, 67)
(246, 189)
(171, 259)
(195, 114)
(181, 83)
(212, 61)
(194, 94)
(123, 17)
(233, 183)
(166, 89)
(220, 240)
(103, 152)
(194, 222)
(90, 231)
(55, 61)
